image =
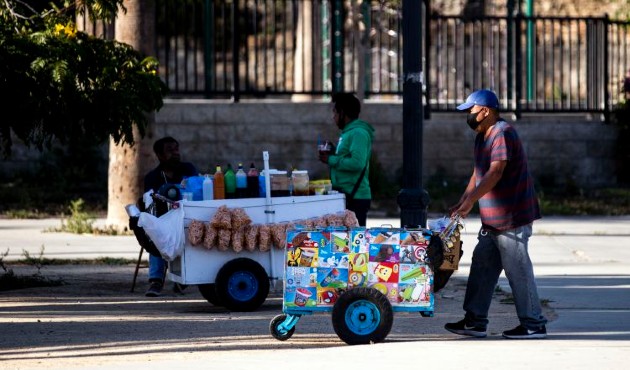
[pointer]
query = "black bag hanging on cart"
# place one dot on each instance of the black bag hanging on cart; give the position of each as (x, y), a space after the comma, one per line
(435, 252)
(441, 277)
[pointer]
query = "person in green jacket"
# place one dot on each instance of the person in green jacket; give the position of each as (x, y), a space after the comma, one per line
(349, 165)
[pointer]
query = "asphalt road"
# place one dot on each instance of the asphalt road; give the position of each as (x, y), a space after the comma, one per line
(94, 322)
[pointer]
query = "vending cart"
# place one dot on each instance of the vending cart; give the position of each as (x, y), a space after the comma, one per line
(236, 278)
(241, 281)
(360, 275)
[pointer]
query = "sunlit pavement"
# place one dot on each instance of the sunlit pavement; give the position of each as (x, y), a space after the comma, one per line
(582, 266)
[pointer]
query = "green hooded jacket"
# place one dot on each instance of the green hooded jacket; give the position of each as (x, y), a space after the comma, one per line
(353, 153)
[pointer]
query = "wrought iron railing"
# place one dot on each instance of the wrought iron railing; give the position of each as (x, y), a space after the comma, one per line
(284, 48)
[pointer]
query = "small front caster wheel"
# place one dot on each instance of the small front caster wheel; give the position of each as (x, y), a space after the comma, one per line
(278, 332)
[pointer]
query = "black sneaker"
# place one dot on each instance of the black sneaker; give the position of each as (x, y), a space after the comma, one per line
(521, 332)
(155, 289)
(462, 328)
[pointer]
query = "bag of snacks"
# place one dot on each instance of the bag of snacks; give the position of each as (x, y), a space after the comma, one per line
(224, 239)
(195, 232)
(264, 238)
(240, 218)
(210, 236)
(222, 219)
(237, 239)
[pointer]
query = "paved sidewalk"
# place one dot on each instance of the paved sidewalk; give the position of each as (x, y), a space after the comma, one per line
(582, 266)
(31, 235)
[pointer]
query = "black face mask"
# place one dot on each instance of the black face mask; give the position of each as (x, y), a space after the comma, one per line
(471, 120)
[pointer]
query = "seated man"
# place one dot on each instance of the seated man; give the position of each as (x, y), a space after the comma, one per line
(170, 171)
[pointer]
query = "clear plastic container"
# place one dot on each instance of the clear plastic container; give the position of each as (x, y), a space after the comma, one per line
(300, 182)
(279, 184)
(320, 187)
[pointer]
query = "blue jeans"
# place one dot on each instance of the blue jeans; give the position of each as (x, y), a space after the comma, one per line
(497, 251)
(157, 268)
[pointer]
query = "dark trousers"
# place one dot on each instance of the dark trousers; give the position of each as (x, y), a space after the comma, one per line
(360, 207)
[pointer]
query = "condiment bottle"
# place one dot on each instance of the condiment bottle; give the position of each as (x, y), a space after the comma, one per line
(207, 188)
(230, 183)
(241, 182)
(219, 184)
(252, 182)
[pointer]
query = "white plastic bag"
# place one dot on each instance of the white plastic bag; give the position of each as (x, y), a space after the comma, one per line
(147, 199)
(166, 231)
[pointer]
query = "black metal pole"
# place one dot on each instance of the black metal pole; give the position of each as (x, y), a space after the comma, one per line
(413, 200)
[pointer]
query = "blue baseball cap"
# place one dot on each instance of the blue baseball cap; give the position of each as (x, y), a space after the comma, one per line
(485, 98)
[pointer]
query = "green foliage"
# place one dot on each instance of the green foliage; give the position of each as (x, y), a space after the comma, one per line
(109, 261)
(603, 202)
(37, 261)
(9, 281)
(77, 170)
(4, 267)
(79, 222)
(64, 85)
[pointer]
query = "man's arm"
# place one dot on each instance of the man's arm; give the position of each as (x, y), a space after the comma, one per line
(469, 188)
(488, 181)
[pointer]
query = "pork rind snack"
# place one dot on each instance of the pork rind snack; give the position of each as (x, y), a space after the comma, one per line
(350, 219)
(237, 239)
(277, 235)
(222, 218)
(224, 239)
(309, 223)
(334, 219)
(320, 222)
(251, 237)
(210, 236)
(264, 238)
(239, 218)
(195, 232)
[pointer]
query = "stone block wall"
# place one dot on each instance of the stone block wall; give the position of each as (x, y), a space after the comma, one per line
(561, 148)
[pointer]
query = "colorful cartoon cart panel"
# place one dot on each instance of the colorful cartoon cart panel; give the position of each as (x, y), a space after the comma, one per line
(361, 275)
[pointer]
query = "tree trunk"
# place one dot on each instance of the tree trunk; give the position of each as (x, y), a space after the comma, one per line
(128, 164)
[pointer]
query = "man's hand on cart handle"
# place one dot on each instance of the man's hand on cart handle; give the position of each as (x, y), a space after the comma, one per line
(462, 208)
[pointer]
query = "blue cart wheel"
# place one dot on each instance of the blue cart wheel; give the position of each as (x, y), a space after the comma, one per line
(277, 331)
(242, 285)
(362, 316)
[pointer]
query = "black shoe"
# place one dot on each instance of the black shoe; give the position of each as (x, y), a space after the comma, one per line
(155, 289)
(521, 332)
(462, 328)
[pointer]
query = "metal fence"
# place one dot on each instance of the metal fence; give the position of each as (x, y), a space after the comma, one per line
(284, 48)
